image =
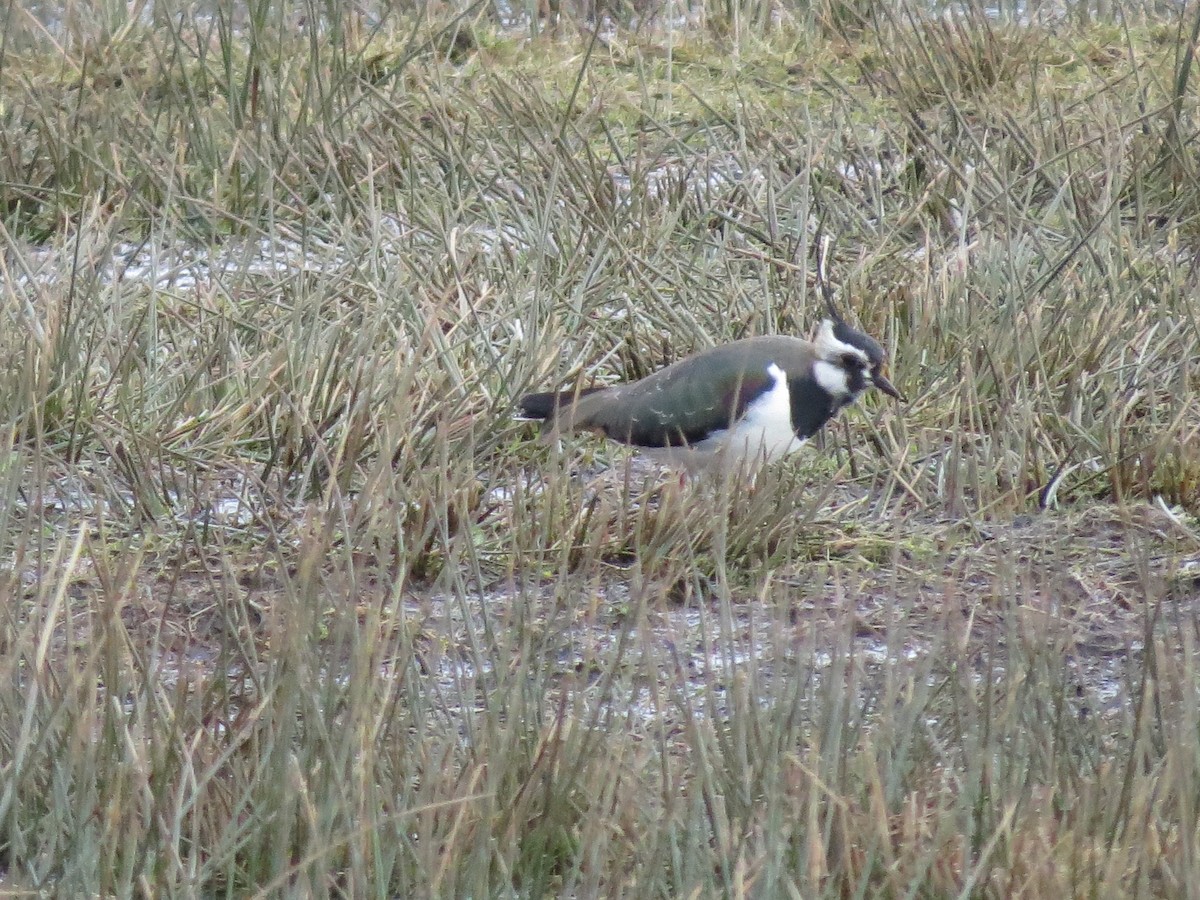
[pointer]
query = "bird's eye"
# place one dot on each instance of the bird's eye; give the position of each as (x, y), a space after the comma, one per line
(850, 361)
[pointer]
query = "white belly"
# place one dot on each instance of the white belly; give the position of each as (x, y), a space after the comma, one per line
(765, 431)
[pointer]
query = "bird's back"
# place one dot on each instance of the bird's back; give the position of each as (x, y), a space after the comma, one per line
(687, 401)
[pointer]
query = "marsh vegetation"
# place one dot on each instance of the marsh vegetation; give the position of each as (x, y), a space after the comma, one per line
(289, 605)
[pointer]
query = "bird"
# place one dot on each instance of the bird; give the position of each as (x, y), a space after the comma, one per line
(751, 401)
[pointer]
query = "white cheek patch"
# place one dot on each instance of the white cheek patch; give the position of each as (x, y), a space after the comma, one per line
(828, 346)
(834, 379)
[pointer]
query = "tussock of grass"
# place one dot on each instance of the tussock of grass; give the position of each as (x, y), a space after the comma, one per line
(289, 604)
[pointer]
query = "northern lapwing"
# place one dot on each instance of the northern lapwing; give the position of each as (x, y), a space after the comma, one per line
(750, 401)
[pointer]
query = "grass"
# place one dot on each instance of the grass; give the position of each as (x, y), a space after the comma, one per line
(289, 605)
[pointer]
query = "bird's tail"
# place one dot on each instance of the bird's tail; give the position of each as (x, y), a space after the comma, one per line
(546, 406)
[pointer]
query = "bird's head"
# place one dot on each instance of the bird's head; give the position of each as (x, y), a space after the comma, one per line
(858, 358)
